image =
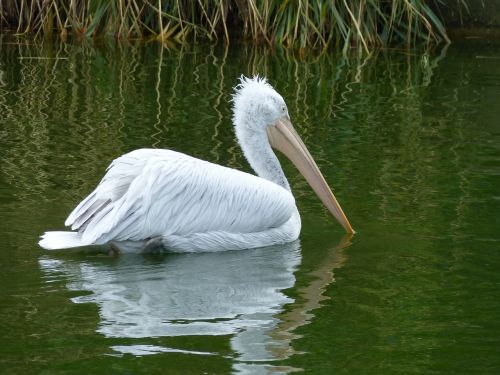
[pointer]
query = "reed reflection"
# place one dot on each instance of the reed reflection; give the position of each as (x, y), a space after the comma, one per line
(68, 109)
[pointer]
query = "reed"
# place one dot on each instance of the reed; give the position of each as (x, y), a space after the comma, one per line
(297, 23)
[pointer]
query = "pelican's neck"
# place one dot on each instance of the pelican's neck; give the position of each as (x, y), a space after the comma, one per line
(258, 152)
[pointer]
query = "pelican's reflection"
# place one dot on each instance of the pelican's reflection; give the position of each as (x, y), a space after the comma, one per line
(237, 293)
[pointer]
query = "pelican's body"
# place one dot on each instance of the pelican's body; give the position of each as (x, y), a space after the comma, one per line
(161, 198)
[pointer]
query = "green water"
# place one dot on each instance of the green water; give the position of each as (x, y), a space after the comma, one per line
(409, 141)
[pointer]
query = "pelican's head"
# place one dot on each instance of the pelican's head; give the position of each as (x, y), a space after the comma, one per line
(255, 98)
(260, 112)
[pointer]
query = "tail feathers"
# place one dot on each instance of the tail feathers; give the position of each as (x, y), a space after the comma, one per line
(60, 240)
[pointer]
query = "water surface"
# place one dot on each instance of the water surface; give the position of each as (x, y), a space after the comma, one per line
(410, 141)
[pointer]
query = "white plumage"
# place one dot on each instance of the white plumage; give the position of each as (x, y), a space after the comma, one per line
(161, 198)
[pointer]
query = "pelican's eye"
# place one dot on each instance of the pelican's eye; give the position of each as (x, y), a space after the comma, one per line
(283, 109)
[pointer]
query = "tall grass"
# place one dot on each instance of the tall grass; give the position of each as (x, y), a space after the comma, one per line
(299, 23)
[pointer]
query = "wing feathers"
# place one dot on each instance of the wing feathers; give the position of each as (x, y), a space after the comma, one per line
(149, 193)
(95, 207)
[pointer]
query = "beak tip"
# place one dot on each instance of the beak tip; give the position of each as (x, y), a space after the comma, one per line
(348, 228)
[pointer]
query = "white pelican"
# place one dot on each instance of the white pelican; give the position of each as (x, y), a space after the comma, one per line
(153, 198)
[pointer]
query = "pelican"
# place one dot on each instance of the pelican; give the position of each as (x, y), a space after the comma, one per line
(153, 198)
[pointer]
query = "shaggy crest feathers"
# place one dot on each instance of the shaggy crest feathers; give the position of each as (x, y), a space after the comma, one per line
(255, 85)
(255, 102)
(248, 82)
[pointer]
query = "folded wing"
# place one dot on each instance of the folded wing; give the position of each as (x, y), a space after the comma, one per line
(149, 193)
